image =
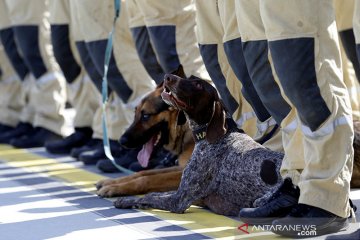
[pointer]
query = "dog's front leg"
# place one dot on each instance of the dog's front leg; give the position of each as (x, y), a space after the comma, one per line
(153, 183)
(164, 201)
(193, 186)
(169, 201)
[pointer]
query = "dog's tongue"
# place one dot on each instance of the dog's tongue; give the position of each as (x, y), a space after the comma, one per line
(145, 153)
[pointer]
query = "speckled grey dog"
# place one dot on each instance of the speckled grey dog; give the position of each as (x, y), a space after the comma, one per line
(227, 171)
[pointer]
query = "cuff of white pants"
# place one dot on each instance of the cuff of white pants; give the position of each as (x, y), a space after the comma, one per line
(57, 126)
(9, 117)
(333, 201)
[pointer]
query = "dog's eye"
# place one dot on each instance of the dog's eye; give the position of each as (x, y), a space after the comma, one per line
(145, 117)
(198, 85)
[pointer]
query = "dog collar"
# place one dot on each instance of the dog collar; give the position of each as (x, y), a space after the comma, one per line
(200, 133)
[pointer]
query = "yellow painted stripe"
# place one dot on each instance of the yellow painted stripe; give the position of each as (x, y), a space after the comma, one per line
(38, 164)
(196, 219)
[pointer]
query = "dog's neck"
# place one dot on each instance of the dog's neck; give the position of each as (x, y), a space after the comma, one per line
(198, 130)
(177, 138)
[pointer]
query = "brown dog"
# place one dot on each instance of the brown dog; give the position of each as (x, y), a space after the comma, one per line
(155, 123)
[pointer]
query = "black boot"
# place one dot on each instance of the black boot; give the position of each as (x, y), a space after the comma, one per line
(92, 144)
(308, 221)
(279, 205)
(5, 128)
(136, 167)
(98, 153)
(160, 158)
(79, 138)
(20, 130)
(106, 166)
(37, 138)
(128, 158)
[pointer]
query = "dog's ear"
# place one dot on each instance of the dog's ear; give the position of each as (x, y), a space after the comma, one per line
(181, 118)
(179, 72)
(216, 128)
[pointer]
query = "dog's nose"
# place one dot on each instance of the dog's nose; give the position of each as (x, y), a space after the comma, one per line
(169, 78)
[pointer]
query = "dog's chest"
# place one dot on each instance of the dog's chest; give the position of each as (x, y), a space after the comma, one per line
(234, 149)
(235, 162)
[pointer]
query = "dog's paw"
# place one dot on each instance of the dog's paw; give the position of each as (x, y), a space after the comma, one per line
(127, 202)
(111, 191)
(107, 191)
(103, 183)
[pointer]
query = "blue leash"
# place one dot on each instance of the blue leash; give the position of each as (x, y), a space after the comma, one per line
(108, 51)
